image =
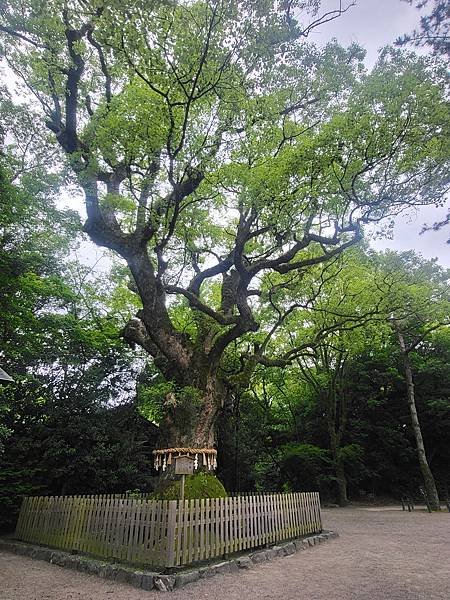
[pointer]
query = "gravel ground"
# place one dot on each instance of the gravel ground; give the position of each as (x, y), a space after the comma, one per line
(382, 554)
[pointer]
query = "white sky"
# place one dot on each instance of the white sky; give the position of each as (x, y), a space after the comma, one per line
(374, 24)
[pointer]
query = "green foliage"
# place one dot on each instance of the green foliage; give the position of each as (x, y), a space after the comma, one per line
(59, 433)
(157, 398)
(215, 148)
(151, 399)
(349, 380)
(305, 466)
(71, 446)
(434, 30)
(290, 446)
(351, 452)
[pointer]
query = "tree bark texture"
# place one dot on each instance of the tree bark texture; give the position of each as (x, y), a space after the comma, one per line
(190, 413)
(428, 479)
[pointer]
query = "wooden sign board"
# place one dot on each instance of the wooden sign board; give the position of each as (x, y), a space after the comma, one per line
(184, 465)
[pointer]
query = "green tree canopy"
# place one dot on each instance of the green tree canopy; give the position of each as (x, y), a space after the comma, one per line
(215, 148)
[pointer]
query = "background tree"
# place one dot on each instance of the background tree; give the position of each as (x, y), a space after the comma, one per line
(334, 321)
(380, 422)
(62, 425)
(352, 377)
(420, 291)
(434, 31)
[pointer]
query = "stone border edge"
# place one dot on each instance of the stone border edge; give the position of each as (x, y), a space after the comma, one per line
(148, 580)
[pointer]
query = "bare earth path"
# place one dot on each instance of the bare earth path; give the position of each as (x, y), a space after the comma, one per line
(382, 554)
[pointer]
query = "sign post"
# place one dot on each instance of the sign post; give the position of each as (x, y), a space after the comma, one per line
(184, 465)
(187, 460)
(183, 479)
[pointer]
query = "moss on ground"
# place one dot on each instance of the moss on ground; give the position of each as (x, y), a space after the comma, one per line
(200, 485)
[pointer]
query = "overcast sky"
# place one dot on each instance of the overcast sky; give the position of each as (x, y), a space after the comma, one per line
(373, 24)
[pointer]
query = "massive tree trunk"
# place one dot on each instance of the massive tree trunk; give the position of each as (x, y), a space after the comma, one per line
(195, 391)
(191, 411)
(428, 479)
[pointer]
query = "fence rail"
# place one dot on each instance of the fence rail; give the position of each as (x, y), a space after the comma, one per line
(166, 533)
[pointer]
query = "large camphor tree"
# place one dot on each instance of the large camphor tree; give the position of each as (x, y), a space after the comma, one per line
(220, 155)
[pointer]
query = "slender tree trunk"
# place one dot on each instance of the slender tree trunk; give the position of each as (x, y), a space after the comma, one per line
(428, 479)
(336, 421)
(339, 471)
(342, 484)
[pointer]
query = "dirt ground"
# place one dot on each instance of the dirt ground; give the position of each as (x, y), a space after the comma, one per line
(382, 554)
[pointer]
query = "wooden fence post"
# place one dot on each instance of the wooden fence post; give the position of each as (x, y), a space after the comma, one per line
(170, 540)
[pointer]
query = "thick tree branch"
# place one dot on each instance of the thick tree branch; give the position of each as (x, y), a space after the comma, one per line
(103, 65)
(22, 36)
(196, 303)
(199, 278)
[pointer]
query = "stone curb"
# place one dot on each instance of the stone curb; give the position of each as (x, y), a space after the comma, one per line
(148, 580)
